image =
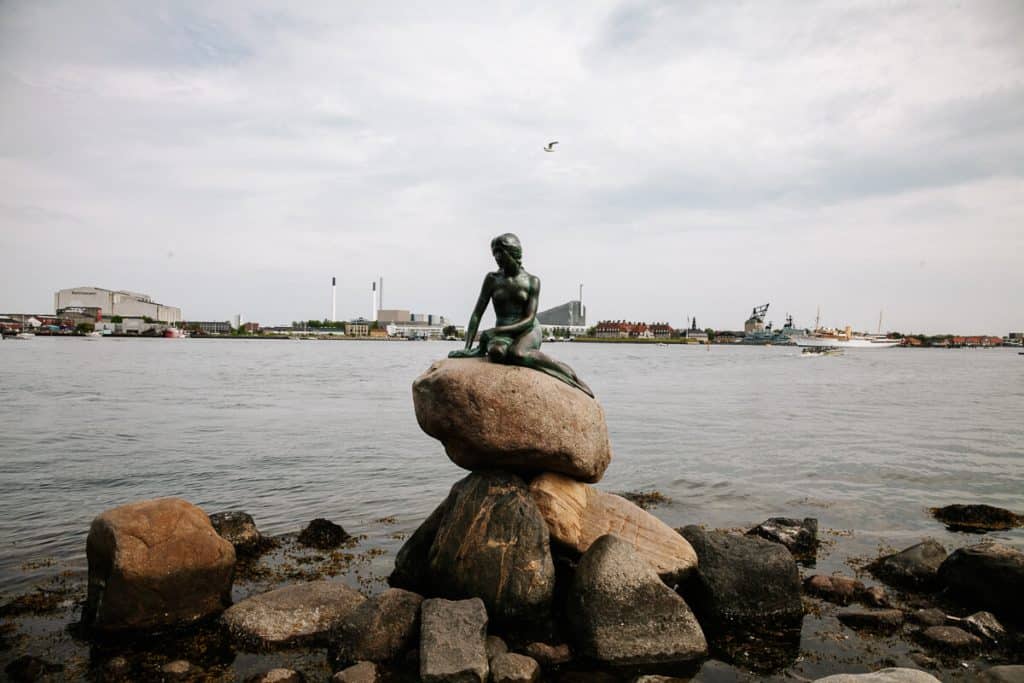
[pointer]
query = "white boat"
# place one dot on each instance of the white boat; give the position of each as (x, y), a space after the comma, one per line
(92, 336)
(24, 335)
(845, 340)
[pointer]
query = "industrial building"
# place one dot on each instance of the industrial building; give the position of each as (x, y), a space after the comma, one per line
(570, 315)
(115, 303)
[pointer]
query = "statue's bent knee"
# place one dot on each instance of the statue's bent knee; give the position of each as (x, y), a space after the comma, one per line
(497, 350)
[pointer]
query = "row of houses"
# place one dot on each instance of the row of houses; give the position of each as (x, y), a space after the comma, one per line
(622, 329)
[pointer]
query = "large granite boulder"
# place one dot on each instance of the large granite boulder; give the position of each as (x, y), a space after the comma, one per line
(412, 570)
(743, 584)
(493, 544)
(916, 567)
(291, 616)
(153, 564)
(987, 575)
(378, 630)
(489, 415)
(621, 613)
(577, 515)
(452, 641)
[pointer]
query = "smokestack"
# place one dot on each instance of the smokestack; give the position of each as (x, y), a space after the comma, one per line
(373, 301)
(380, 294)
(334, 299)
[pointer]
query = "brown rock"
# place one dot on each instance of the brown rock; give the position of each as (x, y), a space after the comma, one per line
(489, 415)
(577, 515)
(549, 655)
(177, 670)
(871, 619)
(239, 529)
(292, 615)
(513, 668)
(495, 646)
(929, 617)
(155, 563)
(363, 672)
(841, 590)
(876, 596)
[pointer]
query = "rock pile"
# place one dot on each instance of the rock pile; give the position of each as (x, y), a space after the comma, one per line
(542, 551)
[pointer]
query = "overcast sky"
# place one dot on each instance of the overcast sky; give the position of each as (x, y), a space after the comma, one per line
(233, 157)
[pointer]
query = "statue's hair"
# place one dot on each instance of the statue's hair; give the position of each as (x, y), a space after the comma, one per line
(510, 244)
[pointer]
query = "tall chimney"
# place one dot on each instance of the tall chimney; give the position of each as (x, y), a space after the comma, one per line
(380, 294)
(334, 299)
(373, 301)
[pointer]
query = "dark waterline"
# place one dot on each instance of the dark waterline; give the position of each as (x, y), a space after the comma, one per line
(290, 431)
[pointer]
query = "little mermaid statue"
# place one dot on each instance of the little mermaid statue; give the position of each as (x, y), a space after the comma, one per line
(516, 338)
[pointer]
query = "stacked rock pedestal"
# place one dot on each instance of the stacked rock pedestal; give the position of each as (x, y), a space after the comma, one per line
(533, 444)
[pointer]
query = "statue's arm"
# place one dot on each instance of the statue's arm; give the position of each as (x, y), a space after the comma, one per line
(478, 310)
(524, 323)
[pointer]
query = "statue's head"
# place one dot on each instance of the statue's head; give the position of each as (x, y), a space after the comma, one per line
(507, 245)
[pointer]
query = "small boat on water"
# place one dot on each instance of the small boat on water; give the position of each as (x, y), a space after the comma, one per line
(92, 336)
(821, 351)
(175, 333)
(24, 336)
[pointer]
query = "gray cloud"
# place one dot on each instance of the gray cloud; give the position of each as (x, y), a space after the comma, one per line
(271, 146)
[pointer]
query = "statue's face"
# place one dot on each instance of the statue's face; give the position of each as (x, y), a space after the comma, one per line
(503, 258)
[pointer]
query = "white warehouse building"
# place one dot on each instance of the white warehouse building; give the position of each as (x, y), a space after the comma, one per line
(115, 302)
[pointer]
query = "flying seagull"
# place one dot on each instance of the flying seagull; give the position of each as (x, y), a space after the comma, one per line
(551, 146)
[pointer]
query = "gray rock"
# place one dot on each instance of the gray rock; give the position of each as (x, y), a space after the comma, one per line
(894, 675)
(989, 575)
(929, 617)
(378, 630)
(549, 655)
(915, 567)
(871, 619)
(512, 668)
(743, 583)
(841, 590)
(293, 615)
(363, 672)
(621, 613)
(452, 641)
(495, 646)
(950, 639)
(493, 544)
(1010, 673)
(799, 536)
(277, 676)
(239, 529)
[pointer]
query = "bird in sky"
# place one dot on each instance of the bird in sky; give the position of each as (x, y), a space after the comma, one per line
(551, 146)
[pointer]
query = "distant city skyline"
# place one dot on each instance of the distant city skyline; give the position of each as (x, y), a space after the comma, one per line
(232, 157)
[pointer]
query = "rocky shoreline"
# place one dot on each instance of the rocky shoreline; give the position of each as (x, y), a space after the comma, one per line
(524, 572)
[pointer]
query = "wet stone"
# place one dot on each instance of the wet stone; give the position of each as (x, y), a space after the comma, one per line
(892, 675)
(871, 619)
(950, 639)
(985, 626)
(177, 670)
(875, 596)
(977, 518)
(987, 575)
(916, 567)
(323, 534)
(239, 529)
(1007, 673)
(378, 630)
(800, 536)
(929, 617)
(841, 590)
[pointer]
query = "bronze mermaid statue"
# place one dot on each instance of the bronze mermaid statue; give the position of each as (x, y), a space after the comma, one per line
(516, 337)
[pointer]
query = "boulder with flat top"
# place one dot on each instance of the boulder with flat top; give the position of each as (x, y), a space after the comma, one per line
(490, 415)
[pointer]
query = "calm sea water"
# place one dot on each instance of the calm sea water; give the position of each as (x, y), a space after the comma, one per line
(290, 431)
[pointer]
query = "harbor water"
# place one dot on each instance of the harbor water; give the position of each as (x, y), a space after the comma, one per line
(293, 430)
